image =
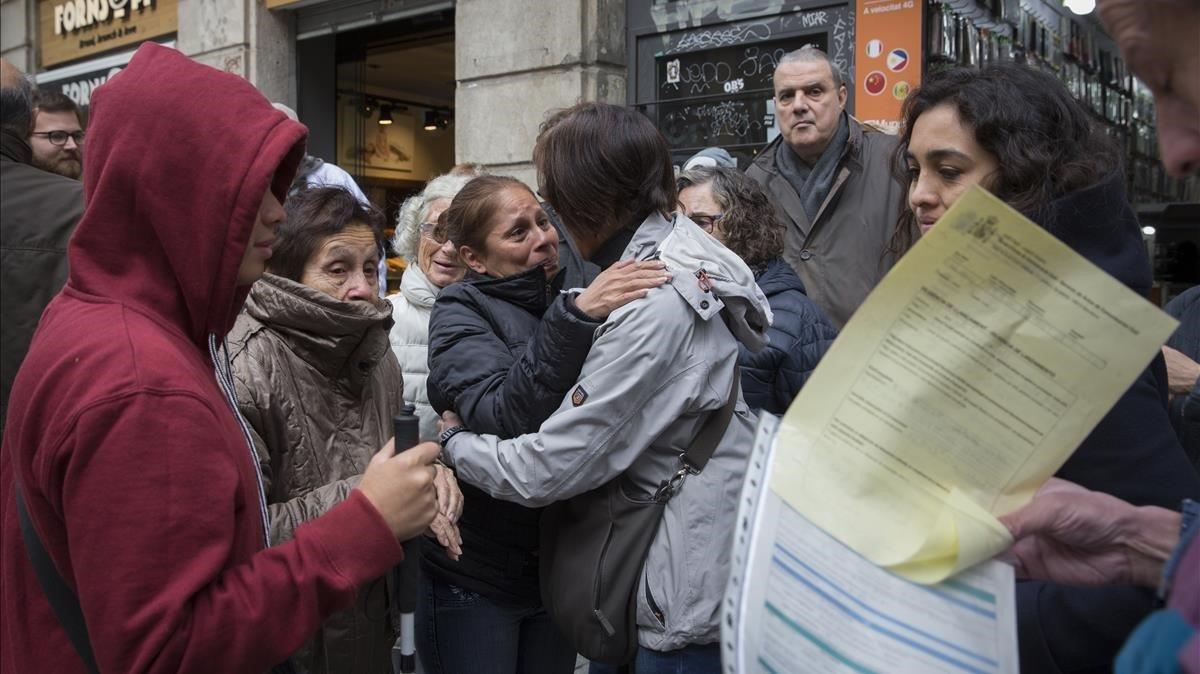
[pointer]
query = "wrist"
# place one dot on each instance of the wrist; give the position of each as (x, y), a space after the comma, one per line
(1185, 382)
(578, 307)
(445, 437)
(1149, 535)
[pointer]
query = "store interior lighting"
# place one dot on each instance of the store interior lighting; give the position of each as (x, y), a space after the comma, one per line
(436, 119)
(1080, 7)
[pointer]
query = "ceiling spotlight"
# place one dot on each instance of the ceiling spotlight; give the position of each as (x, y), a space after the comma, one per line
(431, 121)
(385, 115)
(1148, 230)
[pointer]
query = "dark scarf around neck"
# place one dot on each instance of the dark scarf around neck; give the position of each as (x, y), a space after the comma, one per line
(813, 183)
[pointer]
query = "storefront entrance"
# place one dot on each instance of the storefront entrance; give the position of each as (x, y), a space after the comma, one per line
(379, 101)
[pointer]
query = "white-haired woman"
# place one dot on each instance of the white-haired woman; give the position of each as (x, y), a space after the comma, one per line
(431, 267)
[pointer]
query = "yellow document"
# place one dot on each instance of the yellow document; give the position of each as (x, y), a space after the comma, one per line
(966, 379)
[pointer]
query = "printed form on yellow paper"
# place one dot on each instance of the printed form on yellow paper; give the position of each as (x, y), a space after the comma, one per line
(964, 381)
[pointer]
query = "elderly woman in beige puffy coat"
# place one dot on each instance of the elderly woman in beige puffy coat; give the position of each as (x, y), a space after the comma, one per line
(318, 385)
(431, 267)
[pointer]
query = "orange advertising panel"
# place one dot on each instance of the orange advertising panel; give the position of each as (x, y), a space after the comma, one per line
(887, 59)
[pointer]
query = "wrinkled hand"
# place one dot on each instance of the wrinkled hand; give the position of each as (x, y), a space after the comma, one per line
(447, 535)
(400, 486)
(449, 420)
(449, 496)
(450, 505)
(619, 285)
(1182, 372)
(1068, 534)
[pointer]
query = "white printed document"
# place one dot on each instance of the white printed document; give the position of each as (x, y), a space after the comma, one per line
(800, 602)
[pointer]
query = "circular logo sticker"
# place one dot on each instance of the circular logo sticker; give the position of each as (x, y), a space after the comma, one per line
(897, 60)
(875, 83)
(874, 48)
(900, 91)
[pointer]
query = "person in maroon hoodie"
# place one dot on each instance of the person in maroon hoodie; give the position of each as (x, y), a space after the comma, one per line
(122, 438)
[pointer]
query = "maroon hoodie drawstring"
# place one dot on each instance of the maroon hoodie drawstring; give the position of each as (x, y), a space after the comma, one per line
(224, 374)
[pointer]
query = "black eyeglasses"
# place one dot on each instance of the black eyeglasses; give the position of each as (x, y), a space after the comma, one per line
(59, 138)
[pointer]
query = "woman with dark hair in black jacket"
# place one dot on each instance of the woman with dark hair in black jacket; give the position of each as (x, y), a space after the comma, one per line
(505, 347)
(1018, 133)
(735, 210)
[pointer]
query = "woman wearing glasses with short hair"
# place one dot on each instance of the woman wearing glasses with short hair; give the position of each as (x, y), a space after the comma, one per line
(431, 267)
(735, 210)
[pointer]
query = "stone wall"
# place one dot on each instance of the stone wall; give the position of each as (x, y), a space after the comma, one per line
(518, 60)
(16, 32)
(242, 37)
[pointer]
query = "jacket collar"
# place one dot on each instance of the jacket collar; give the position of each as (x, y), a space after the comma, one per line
(1098, 223)
(530, 289)
(343, 341)
(15, 148)
(705, 274)
(416, 287)
(778, 277)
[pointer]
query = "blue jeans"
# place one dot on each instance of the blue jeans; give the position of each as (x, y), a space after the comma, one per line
(463, 632)
(695, 659)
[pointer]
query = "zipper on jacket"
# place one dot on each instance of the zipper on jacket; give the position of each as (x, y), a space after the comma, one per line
(654, 605)
(604, 622)
(704, 279)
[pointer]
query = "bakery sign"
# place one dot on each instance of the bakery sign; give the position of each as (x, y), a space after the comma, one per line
(77, 29)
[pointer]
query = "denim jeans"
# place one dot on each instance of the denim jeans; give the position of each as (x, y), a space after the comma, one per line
(695, 659)
(463, 632)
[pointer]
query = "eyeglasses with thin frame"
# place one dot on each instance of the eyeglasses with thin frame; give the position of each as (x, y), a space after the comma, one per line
(59, 138)
(433, 231)
(706, 221)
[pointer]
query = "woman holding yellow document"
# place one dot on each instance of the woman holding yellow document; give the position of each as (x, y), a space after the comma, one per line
(1017, 132)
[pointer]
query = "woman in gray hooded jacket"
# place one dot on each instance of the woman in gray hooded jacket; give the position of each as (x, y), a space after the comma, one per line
(657, 368)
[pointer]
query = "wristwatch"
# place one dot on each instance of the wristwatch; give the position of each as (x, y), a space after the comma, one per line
(445, 435)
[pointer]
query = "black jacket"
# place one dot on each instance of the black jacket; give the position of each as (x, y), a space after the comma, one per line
(1132, 454)
(800, 334)
(503, 353)
(38, 212)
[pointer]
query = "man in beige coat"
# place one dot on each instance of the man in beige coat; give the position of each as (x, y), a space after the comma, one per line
(833, 185)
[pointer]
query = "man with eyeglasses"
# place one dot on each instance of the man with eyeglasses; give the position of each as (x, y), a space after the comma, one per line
(57, 136)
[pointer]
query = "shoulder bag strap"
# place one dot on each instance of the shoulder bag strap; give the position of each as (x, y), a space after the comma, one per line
(62, 598)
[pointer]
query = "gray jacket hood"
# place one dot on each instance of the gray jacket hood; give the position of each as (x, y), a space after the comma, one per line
(696, 260)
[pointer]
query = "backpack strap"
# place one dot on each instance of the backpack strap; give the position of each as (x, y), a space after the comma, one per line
(61, 597)
(704, 444)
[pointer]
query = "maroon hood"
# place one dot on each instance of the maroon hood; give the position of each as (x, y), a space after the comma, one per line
(179, 157)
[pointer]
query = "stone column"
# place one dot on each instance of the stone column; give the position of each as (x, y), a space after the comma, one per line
(18, 25)
(519, 60)
(245, 38)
